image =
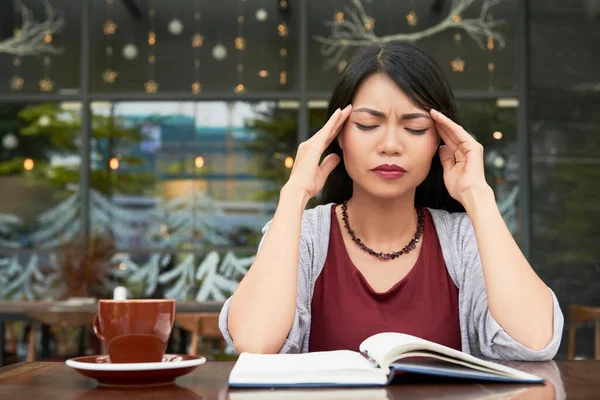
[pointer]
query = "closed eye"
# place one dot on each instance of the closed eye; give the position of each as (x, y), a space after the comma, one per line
(366, 127)
(417, 131)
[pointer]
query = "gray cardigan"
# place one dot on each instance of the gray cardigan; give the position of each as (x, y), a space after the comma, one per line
(481, 335)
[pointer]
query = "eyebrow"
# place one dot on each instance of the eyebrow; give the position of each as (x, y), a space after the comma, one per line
(380, 114)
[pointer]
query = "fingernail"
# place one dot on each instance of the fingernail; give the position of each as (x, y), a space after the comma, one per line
(434, 110)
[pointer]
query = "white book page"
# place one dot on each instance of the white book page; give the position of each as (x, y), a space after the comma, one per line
(340, 366)
(386, 347)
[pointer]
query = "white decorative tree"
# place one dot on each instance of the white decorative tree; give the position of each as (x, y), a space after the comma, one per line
(59, 224)
(184, 273)
(215, 286)
(29, 38)
(147, 273)
(188, 218)
(109, 217)
(24, 283)
(233, 267)
(357, 30)
(8, 223)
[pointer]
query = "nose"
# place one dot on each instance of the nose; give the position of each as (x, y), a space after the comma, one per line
(391, 142)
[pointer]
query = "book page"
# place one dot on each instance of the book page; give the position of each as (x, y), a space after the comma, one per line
(386, 347)
(327, 368)
(317, 361)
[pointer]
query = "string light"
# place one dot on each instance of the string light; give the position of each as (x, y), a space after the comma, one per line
(339, 17)
(412, 19)
(16, 82)
(199, 162)
(497, 135)
(457, 64)
(289, 162)
(490, 65)
(109, 28)
(151, 85)
(46, 84)
(240, 45)
(283, 32)
(197, 42)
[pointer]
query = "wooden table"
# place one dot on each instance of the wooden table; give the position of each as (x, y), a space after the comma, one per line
(572, 379)
(23, 310)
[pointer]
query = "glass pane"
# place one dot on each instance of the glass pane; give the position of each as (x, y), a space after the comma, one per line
(43, 55)
(469, 66)
(194, 46)
(39, 159)
(188, 175)
(496, 129)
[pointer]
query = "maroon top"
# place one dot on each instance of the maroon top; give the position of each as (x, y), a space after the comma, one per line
(346, 310)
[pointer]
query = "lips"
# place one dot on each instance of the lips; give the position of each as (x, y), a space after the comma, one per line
(389, 171)
(389, 168)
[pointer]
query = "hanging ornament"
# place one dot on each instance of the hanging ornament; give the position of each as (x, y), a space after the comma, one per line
(261, 15)
(197, 40)
(196, 87)
(46, 85)
(240, 43)
(109, 76)
(16, 83)
(130, 51)
(151, 86)
(219, 52)
(239, 88)
(109, 27)
(282, 29)
(10, 141)
(44, 121)
(412, 19)
(175, 27)
(458, 65)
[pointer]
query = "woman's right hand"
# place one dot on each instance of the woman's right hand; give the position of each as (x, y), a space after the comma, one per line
(307, 175)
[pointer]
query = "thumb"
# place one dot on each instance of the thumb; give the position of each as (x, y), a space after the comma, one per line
(446, 157)
(329, 163)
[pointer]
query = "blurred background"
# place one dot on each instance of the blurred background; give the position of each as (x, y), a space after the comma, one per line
(143, 142)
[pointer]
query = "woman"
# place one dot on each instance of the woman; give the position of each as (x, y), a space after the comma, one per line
(408, 238)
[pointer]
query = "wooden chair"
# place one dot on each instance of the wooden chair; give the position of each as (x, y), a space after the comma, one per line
(201, 325)
(579, 314)
(56, 319)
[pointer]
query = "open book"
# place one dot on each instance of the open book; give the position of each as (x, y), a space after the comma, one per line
(381, 356)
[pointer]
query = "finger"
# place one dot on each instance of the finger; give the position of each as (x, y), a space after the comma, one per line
(330, 131)
(329, 163)
(459, 156)
(448, 141)
(446, 157)
(453, 129)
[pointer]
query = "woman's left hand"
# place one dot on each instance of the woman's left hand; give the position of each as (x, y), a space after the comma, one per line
(461, 158)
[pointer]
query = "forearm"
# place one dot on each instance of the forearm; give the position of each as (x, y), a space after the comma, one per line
(262, 308)
(517, 298)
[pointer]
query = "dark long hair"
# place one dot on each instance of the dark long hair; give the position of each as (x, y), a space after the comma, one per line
(423, 81)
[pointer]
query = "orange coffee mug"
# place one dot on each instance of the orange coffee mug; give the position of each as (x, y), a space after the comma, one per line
(135, 331)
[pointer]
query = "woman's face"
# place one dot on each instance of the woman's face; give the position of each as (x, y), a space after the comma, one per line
(386, 127)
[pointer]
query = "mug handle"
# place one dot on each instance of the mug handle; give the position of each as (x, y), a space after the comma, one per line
(97, 329)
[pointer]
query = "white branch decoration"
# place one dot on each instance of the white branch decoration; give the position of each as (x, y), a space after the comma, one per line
(30, 38)
(352, 31)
